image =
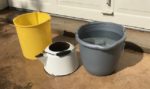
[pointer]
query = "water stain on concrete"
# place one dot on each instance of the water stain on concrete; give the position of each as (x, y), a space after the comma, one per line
(6, 83)
(28, 86)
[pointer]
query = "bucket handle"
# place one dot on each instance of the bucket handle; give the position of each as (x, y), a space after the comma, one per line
(63, 53)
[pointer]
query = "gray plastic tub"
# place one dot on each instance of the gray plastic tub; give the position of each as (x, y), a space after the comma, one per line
(101, 45)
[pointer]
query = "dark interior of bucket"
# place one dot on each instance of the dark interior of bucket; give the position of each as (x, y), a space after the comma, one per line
(59, 46)
(100, 35)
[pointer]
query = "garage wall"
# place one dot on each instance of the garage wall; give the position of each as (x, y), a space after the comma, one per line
(136, 15)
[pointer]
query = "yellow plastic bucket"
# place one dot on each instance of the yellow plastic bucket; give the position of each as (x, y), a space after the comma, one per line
(34, 33)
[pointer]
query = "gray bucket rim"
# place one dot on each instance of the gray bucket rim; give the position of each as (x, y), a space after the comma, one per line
(94, 46)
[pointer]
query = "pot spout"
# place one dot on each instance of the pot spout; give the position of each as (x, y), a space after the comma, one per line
(42, 57)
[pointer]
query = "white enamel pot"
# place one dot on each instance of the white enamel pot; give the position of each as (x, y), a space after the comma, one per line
(59, 59)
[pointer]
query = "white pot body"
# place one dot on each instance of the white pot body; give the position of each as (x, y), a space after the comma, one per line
(59, 66)
(3, 4)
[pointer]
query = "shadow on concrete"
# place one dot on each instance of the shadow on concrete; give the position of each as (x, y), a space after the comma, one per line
(7, 15)
(4, 30)
(4, 11)
(66, 36)
(2, 24)
(132, 55)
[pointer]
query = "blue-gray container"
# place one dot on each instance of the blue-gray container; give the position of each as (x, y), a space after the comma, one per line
(101, 45)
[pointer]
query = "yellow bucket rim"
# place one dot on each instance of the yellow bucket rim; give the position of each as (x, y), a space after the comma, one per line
(14, 20)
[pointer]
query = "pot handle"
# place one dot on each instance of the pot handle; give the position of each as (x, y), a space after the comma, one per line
(63, 53)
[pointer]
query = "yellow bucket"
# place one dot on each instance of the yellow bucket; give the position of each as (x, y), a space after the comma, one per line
(34, 33)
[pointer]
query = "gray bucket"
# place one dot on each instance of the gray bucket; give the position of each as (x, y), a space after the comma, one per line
(101, 45)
